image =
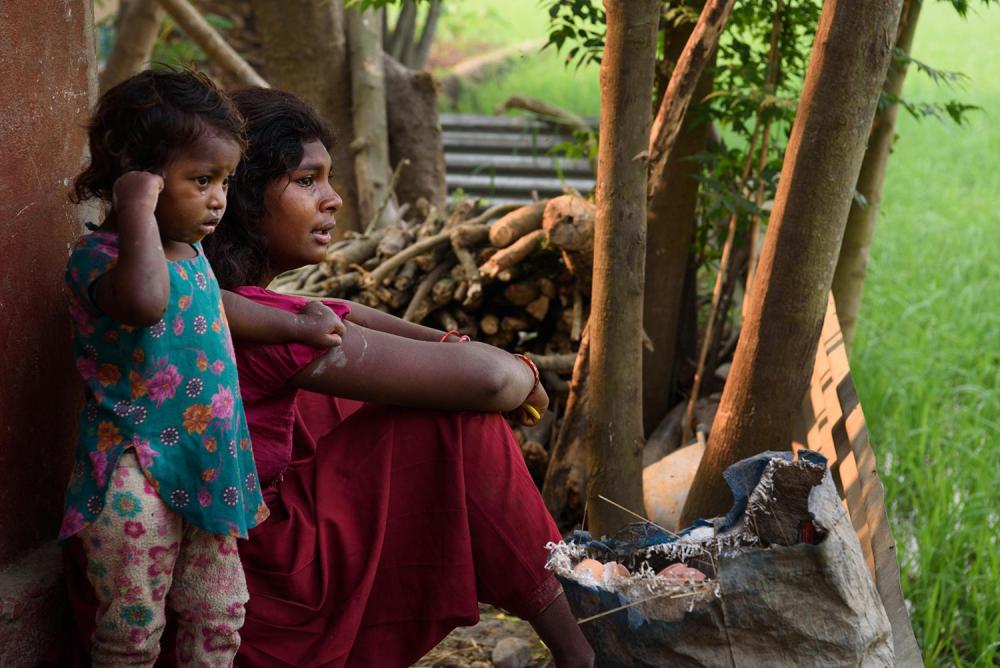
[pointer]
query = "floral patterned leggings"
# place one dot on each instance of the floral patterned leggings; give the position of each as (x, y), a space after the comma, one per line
(141, 556)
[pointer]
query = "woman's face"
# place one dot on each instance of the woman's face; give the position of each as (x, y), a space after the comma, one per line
(298, 212)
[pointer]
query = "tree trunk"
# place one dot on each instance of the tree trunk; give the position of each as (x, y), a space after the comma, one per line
(698, 53)
(211, 42)
(565, 486)
(371, 127)
(417, 57)
(402, 33)
(777, 347)
(137, 27)
(615, 430)
(849, 278)
(297, 33)
(415, 134)
(670, 229)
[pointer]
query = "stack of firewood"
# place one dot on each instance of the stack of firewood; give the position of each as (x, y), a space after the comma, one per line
(517, 277)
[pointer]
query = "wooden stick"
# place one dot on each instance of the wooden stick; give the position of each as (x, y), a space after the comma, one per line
(342, 283)
(727, 251)
(405, 276)
(468, 235)
(211, 42)
(558, 363)
(544, 110)
(576, 331)
(510, 256)
(385, 269)
(493, 212)
(417, 310)
(468, 263)
(360, 249)
(390, 192)
(697, 52)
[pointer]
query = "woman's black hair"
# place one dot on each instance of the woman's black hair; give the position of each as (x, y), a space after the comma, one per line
(277, 126)
(145, 120)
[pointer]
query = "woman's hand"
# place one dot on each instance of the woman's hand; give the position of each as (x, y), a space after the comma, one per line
(537, 399)
(318, 326)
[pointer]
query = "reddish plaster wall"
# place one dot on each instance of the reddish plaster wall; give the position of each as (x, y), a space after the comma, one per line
(46, 84)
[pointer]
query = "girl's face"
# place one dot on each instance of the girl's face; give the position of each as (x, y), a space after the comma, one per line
(195, 183)
(298, 212)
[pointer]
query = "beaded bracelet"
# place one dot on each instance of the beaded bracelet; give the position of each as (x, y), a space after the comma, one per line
(462, 338)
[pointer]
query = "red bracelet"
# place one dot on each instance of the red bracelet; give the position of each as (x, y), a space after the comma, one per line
(531, 365)
(462, 338)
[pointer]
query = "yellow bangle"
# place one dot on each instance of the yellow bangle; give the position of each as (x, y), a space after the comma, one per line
(532, 411)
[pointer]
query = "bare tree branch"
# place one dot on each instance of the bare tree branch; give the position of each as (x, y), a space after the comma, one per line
(211, 42)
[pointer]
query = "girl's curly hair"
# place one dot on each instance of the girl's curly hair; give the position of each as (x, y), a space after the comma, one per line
(145, 120)
(277, 126)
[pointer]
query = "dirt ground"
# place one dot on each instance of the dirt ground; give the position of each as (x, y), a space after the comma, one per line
(471, 646)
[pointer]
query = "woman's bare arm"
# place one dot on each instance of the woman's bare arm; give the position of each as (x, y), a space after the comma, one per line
(371, 318)
(376, 366)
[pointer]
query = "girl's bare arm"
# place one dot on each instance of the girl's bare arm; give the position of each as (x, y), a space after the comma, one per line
(136, 290)
(376, 366)
(315, 325)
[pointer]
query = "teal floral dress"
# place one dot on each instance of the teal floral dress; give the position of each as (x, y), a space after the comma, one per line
(169, 391)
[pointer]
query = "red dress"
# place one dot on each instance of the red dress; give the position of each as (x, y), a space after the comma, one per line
(387, 524)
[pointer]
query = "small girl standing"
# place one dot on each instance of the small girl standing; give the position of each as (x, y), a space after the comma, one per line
(164, 479)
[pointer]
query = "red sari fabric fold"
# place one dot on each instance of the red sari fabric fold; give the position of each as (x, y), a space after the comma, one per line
(385, 532)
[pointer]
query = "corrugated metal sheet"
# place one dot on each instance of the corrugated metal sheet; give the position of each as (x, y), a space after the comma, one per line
(510, 159)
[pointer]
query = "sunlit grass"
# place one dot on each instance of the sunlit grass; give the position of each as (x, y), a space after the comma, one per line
(927, 356)
(927, 353)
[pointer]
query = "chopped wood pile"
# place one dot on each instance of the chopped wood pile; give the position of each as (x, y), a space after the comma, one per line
(514, 276)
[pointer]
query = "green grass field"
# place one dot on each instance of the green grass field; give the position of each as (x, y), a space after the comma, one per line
(927, 354)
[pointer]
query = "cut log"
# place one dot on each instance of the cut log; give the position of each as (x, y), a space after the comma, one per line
(568, 222)
(510, 256)
(538, 308)
(516, 224)
(489, 324)
(395, 240)
(521, 293)
(443, 290)
(354, 253)
(405, 276)
(419, 306)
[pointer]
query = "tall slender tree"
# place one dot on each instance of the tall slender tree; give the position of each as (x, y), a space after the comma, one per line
(136, 29)
(303, 38)
(774, 357)
(371, 134)
(852, 266)
(669, 232)
(615, 430)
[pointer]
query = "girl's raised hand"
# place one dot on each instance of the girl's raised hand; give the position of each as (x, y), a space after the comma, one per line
(136, 190)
